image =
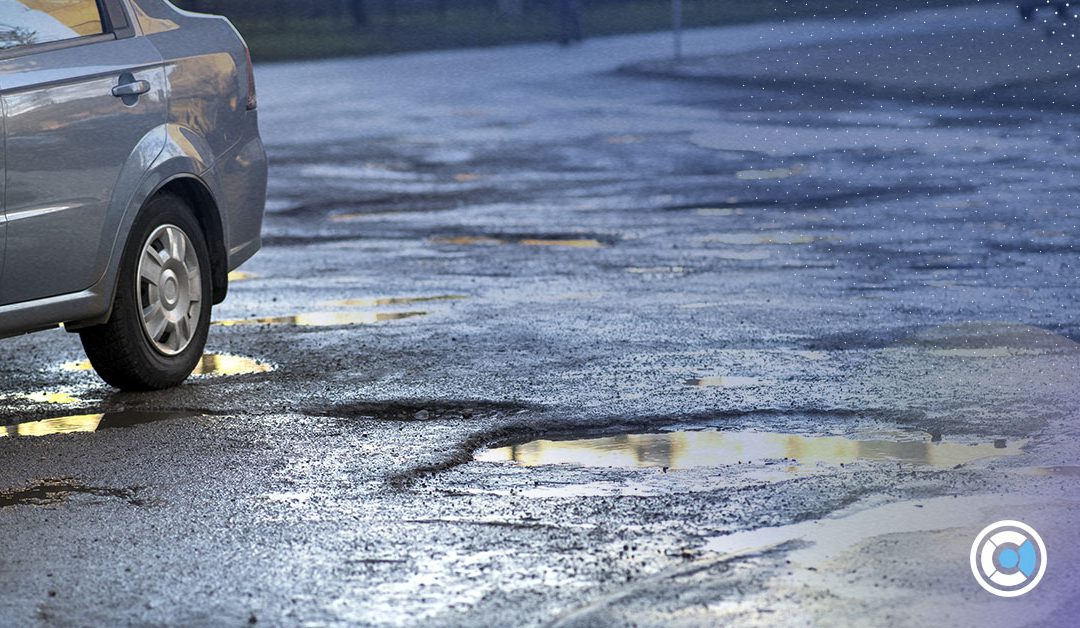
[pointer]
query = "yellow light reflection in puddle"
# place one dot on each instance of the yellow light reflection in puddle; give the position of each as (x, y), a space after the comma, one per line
(467, 240)
(223, 364)
(211, 365)
(584, 243)
(92, 422)
(51, 397)
(49, 427)
(717, 211)
(239, 275)
(365, 216)
(577, 244)
(323, 319)
(688, 450)
(383, 301)
(988, 352)
(656, 270)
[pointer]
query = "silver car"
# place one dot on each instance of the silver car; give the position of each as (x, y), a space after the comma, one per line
(134, 178)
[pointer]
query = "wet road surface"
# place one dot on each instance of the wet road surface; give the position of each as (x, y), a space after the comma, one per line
(534, 341)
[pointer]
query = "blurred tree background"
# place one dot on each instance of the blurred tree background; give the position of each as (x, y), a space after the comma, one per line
(304, 29)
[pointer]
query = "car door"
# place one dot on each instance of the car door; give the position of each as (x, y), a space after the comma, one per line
(81, 95)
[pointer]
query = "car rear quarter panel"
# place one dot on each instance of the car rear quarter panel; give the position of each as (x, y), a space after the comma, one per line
(206, 69)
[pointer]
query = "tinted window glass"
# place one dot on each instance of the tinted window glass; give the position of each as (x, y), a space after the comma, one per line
(26, 22)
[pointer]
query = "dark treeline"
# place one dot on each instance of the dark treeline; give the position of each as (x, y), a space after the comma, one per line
(306, 29)
(361, 12)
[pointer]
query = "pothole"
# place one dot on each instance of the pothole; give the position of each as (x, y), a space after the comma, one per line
(385, 301)
(770, 173)
(759, 237)
(577, 243)
(657, 270)
(90, 422)
(341, 319)
(53, 491)
(52, 397)
(717, 448)
(224, 364)
(211, 365)
(425, 410)
(322, 319)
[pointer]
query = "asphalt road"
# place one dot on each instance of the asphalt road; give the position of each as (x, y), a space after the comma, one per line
(793, 349)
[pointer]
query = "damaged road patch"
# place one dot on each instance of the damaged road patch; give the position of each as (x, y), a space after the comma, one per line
(56, 490)
(425, 410)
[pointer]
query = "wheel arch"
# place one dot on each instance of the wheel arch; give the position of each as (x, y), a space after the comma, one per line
(201, 200)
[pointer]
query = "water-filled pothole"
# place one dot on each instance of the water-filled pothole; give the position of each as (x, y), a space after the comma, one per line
(322, 319)
(211, 365)
(424, 409)
(53, 491)
(90, 422)
(384, 301)
(713, 448)
(576, 243)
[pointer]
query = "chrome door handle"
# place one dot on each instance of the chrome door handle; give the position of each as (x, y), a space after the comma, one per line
(134, 88)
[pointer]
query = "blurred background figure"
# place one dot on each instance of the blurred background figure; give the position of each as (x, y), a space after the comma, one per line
(569, 21)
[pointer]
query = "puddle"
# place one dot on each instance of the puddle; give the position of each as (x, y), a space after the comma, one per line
(57, 398)
(211, 365)
(468, 240)
(772, 173)
(624, 139)
(90, 422)
(656, 270)
(577, 243)
(372, 215)
(323, 319)
(711, 448)
(54, 491)
(60, 425)
(384, 301)
(826, 539)
(728, 381)
(1063, 471)
(718, 211)
(239, 275)
(749, 239)
(223, 364)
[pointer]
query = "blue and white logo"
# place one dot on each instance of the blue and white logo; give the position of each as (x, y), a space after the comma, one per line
(1008, 558)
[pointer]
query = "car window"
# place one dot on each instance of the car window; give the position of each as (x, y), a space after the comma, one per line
(27, 22)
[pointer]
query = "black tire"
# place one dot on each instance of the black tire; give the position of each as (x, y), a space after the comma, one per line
(121, 350)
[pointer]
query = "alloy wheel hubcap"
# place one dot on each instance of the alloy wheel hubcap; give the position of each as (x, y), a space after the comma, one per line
(170, 289)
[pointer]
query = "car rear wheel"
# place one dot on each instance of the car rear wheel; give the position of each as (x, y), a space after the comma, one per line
(161, 314)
